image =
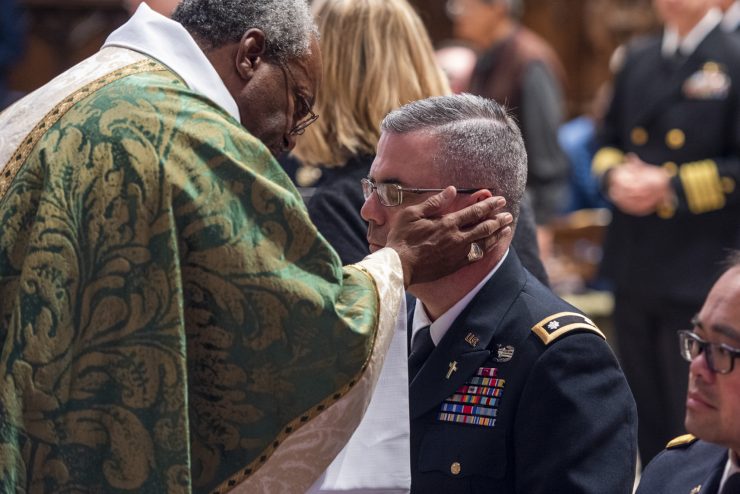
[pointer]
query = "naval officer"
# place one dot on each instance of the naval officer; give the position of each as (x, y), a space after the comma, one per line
(669, 165)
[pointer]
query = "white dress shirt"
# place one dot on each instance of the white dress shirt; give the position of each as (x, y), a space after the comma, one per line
(731, 19)
(731, 468)
(438, 328)
(673, 43)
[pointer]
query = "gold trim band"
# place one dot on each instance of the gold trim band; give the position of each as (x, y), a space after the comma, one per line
(702, 186)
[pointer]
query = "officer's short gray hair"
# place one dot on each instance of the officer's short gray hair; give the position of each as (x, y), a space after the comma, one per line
(479, 144)
(287, 24)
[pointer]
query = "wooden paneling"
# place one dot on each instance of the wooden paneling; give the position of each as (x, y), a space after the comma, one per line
(583, 33)
(61, 33)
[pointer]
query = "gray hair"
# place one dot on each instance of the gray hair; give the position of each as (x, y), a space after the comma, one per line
(287, 24)
(479, 144)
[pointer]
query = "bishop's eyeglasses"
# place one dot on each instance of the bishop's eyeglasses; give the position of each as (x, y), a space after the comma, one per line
(391, 195)
(304, 115)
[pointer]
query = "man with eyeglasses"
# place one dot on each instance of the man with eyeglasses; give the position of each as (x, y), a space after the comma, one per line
(170, 319)
(511, 388)
(707, 460)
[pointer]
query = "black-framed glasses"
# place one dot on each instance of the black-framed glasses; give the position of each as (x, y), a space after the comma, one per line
(304, 115)
(720, 357)
(391, 195)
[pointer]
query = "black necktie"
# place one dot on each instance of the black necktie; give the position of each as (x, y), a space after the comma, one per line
(677, 60)
(732, 486)
(421, 346)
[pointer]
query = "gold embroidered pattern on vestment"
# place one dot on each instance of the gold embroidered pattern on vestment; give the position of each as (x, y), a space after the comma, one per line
(24, 150)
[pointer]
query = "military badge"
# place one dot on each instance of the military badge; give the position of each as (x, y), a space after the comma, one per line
(475, 402)
(711, 82)
(504, 353)
(472, 340)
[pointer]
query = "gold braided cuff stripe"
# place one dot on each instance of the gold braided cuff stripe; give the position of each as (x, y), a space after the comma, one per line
(16, 161)
(702, 185)
(605, 159)
(308, 415)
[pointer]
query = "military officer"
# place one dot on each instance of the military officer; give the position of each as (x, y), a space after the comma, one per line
(511, 389)
(709, 465)
(669, 164)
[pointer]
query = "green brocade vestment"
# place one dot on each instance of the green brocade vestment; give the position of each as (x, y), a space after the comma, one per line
(168, 314)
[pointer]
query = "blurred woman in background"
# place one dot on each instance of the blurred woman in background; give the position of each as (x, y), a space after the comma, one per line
(377, 56)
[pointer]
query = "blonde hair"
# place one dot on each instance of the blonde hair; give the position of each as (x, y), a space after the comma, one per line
(377, 57)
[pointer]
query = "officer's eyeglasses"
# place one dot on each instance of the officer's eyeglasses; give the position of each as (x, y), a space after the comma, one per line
(304, 115)
(720, 357)
(392, 194)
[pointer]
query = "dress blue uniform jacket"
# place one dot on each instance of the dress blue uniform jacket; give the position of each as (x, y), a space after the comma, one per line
(536, 404)
(687, 466)
(684, 116)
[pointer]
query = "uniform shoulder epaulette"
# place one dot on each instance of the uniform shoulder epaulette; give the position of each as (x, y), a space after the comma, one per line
(679, 441)
(557, 325)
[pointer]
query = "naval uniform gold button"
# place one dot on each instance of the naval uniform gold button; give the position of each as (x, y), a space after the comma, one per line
(455, 468)
(671, 168)
(639, 136)
(675, 138)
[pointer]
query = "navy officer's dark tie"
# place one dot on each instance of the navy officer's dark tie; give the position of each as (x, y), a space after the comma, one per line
(421, 346)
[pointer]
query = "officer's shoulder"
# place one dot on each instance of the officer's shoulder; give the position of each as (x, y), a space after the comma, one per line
(555, 318)
(683, 441)
(560, 324)
(690, 446)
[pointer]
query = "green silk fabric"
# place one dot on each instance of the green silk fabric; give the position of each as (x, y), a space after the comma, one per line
(168, 312)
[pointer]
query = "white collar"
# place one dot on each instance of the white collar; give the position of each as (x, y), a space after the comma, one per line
(673, 43)
(731, 19)
(163, 39)
(438, 328)
(731, 468)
